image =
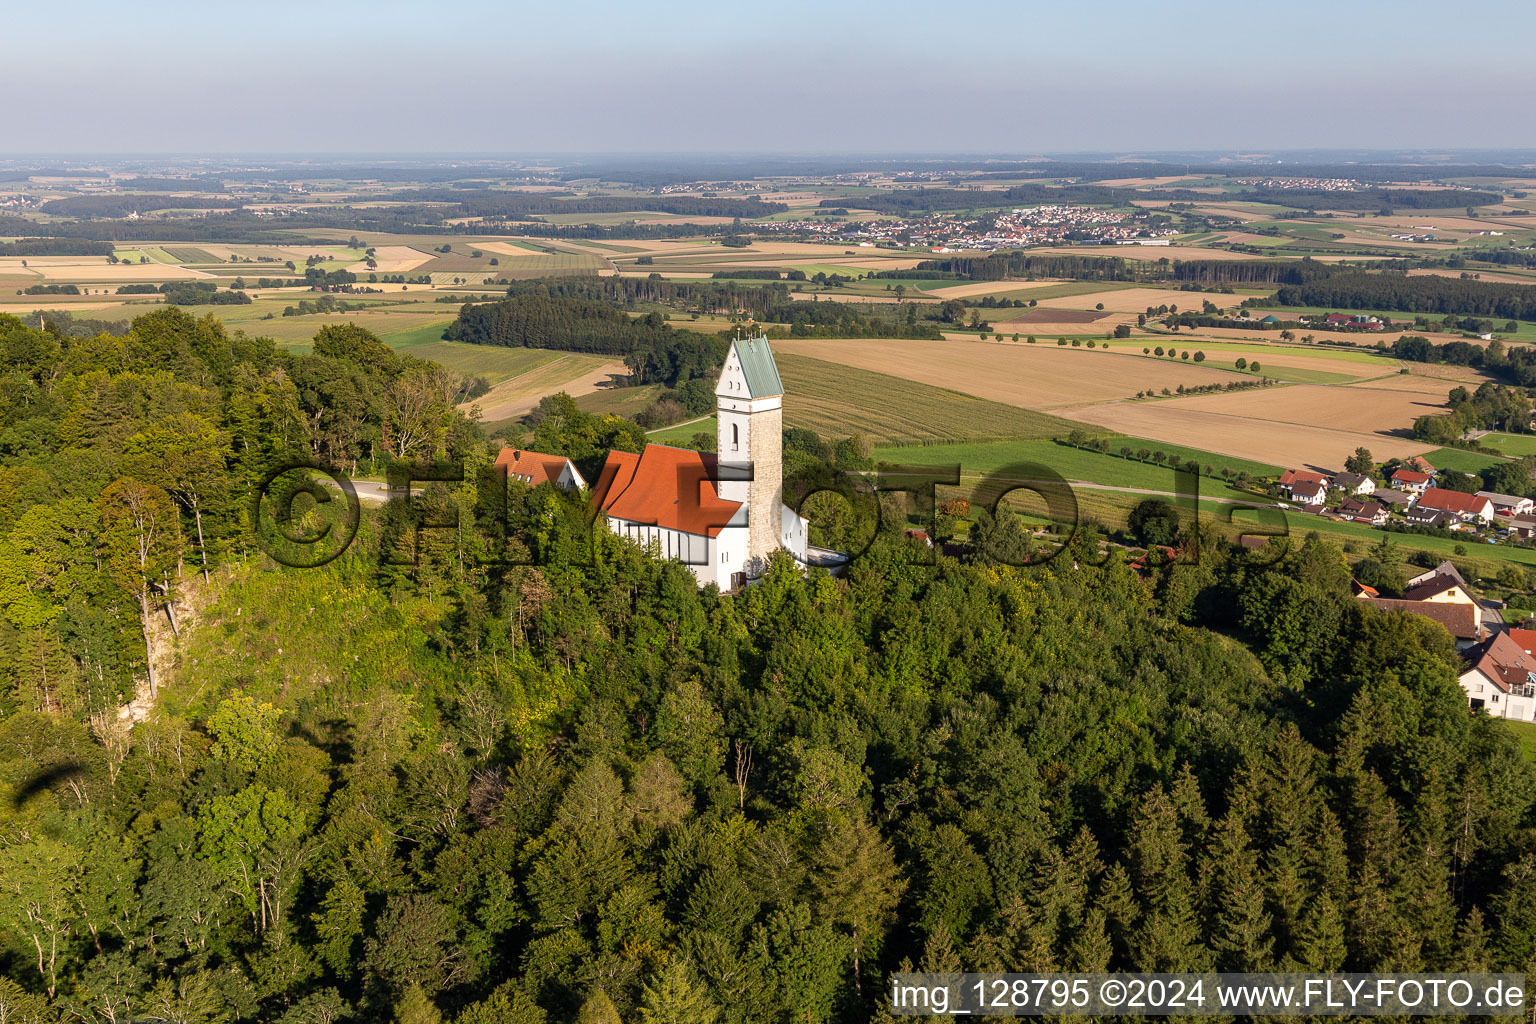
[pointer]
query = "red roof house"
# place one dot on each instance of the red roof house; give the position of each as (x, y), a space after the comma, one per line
(1463, 506)
(534, 468)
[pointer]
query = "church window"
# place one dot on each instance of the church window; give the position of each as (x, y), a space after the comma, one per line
(735, 437)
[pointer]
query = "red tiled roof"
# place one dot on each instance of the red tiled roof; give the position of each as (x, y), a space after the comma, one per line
(1525, 639)
(1297, 477)
(1503, 661)
(1409, 476)
(1442, 500)
(533, 468)
(673, 488)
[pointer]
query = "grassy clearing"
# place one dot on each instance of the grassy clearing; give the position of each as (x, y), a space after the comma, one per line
(492, 362)
(1461, 460)
(1516, 445)
(682, 432)
(621, 401)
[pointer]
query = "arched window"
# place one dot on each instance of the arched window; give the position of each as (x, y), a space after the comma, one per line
(735, 437)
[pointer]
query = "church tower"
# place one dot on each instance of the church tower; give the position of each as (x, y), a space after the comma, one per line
(749, 404)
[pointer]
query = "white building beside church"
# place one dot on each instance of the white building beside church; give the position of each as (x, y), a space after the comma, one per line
(720, 514)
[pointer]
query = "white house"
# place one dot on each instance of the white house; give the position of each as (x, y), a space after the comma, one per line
(1411, 480)
(1501, 678)
(1310, 493)
(1354, 483)
(721, 514)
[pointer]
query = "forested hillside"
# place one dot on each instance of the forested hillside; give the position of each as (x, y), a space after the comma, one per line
(532, 775)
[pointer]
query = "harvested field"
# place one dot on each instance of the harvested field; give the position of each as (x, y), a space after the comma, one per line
(1136, 300)
(1302, 424)
(393, 259)
(835, 401)
(575, 374)
(962, 291)
(1482, 275)
(121, 274)
(1027, 376)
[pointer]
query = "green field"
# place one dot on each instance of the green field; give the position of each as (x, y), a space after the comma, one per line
(1078, 463)
(622, 401)
(681, 432)
(411, 337)
(1516, 445)
(1461, 460)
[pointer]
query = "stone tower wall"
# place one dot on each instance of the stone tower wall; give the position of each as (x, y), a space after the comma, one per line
(766, 491)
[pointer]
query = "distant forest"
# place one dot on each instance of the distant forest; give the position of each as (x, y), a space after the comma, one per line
(55, 247)
(1002, 266)
(1428, 294)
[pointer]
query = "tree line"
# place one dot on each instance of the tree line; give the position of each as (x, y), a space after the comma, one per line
(55, 247)
(1349, 289)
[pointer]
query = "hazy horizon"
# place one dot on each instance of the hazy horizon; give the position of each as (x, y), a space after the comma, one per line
(699, 79)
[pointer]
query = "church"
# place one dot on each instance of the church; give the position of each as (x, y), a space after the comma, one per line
(720, 514)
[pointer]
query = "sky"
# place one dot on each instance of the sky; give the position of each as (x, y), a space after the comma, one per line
(1019, 77)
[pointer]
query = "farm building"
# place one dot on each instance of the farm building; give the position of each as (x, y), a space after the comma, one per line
(1508, 504)
(721, 515)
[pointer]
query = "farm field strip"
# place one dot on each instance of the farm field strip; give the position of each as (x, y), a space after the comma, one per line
(1027, 376)
(571, 372)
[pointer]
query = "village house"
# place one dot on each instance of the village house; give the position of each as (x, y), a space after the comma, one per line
(1464, 622)
(1292, 479)
(1501, 678)
(1410, 480)
(1392, 498)
(1508, 504)
(534, 468)
(1465, 507)
(1430, 517)
(1445, 568)
(722, 515)
(1358, 511)
(1442, 588)
(1354, 483)
(1315, 494)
